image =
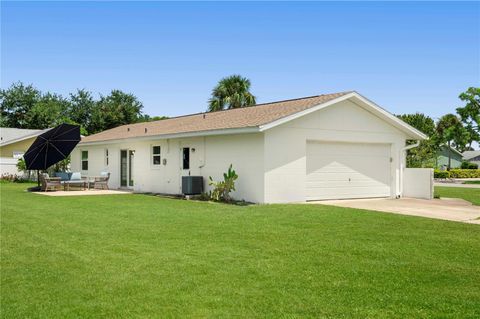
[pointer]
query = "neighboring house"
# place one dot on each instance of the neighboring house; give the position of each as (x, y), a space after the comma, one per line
(14, 142)
(442, 157)
(472, 157)
(322, 147)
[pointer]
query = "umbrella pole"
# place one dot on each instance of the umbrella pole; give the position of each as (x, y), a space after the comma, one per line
(38, 178)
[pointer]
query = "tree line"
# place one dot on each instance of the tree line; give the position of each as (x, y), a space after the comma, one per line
(24, 106)
(458, 131)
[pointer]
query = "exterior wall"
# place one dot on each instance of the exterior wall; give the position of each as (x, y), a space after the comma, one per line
(475, 160)
(21, 146)
(8, 164)
(212, 157)
(285, 147)
(442, 159)
(418, 183)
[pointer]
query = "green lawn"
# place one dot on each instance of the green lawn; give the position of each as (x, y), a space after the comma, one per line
(125, 256)
(471, 182)
(469, 194)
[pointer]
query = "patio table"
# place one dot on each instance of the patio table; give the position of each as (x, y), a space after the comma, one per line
(66, 184)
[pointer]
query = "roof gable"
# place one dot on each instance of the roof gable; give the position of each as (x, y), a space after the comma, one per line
(444, 150)
(471, 154)
(362, 102)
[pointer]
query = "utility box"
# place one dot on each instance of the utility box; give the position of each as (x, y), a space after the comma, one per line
(192, 185)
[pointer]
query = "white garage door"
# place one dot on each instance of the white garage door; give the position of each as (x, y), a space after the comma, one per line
(347, 170)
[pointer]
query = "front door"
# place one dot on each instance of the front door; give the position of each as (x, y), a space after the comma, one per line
(185, 161)
(126, 168)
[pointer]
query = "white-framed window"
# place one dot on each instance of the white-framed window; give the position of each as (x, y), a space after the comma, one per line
(156, 159)
(18, 154)
(84, 160)
(106, 157)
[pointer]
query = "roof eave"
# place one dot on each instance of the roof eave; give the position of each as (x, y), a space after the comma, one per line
(23, 138)
(241, 130)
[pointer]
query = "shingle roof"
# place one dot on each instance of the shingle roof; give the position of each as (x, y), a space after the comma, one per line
(470, 154)
(253, 116)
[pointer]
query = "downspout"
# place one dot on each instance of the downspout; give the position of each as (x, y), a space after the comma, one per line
(402, 164)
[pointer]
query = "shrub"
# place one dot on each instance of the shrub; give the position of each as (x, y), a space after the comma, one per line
(12, 178)
(201, 197)
(465, 173)
(468, 165)
(441, 174)
(221, 190)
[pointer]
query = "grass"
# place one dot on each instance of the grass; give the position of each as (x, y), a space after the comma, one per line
(469, 194)
(471, 182)
(123, 256)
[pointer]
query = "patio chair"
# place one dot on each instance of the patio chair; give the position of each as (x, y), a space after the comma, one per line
(101, 182)
(52, 183)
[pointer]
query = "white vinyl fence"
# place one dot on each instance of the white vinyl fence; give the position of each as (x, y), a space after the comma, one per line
(418, 183)
(8, 165)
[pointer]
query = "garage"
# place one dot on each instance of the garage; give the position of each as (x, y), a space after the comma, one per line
(347, 170)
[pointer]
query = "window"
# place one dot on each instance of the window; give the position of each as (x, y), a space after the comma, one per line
(84, 160)
(186, 158)
(106, 157)
(156, 155)
(18, 154)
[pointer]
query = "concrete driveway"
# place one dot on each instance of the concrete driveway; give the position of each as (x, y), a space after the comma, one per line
(448, 209)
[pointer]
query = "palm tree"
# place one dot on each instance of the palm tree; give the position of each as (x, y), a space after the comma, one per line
(231, 92)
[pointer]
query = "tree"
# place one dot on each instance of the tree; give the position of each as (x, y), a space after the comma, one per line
(23, 106)
(451, 131)
(470, 113)
(116, 109)
(231, 92)
(473, 136)
(49, 111)
(424, 155)
(148, 118)
(16, 103)
(82, 105)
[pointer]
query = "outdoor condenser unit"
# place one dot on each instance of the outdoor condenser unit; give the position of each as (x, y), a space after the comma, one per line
(192, 185)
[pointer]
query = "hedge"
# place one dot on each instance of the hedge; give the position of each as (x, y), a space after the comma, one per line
(457, 173)
(468, 165)
(441, 174)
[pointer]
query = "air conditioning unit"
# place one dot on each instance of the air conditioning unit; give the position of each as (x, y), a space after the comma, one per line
(192, 185)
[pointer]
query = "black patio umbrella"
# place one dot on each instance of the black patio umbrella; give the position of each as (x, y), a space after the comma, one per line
(51, 147)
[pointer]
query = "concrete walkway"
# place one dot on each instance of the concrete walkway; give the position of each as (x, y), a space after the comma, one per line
(457, 182)
(447, 209)
(86, 192)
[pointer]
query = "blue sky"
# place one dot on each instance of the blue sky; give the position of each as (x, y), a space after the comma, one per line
(406, 56)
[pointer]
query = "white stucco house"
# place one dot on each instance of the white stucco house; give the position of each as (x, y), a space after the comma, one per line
(331, 146)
